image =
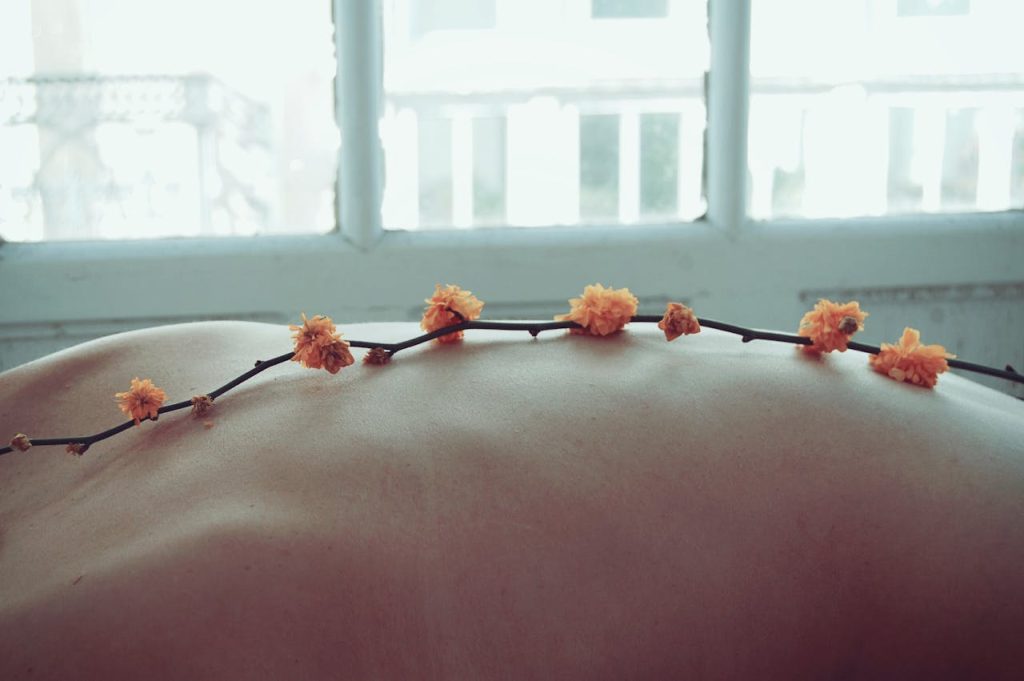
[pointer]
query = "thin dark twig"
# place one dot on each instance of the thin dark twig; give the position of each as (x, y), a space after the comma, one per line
(533, 328)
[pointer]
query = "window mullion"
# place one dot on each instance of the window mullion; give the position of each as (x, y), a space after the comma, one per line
(728, 105)
(359, 93)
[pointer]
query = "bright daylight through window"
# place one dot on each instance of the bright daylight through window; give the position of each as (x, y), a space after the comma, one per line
(868, 107)
(125, 119)
(543, 112)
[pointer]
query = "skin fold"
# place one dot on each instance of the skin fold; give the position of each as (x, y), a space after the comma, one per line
(509, 508)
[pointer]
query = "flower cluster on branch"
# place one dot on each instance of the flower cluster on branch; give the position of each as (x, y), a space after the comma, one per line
(318, 345)
(910, 361)
(599, 311)
(830, 325)
(142, 400)
(449, 305)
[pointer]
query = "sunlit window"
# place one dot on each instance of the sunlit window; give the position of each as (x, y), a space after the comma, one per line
(135, 118)
(534, 113)
(871, 108)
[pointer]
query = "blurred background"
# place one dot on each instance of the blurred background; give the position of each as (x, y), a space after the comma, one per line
(585, 121)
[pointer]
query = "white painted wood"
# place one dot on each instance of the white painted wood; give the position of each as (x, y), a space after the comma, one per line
(359, 96)
(728, 103)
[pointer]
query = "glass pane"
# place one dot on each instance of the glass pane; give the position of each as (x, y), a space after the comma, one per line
(908, 106)
(637, 9)
(599, 167)
(137, 119)
(489, 171)
(543, 112)
(659, 165)
(435, 157)
(1017, 165)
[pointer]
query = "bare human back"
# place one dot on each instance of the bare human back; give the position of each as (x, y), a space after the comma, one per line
(565, 507)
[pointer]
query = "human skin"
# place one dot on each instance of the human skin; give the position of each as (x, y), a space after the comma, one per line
(509, 508)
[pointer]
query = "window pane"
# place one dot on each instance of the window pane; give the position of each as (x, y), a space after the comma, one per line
(599, 167)
(558, 111)
(489, 171)
(435, 161)
(659, 164)
(905, 107)
(1017, 165)
(137, 119)
(637, 9)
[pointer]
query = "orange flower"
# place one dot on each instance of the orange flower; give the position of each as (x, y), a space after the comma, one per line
(142, 400)
(910, 361)
(601, 311)
(829, 325)
(21, 442)
(679, 320)
(318, 345)
(201, 404)
(377, 356)
(449, 305)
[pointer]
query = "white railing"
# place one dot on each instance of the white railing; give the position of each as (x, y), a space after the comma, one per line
(817, 134)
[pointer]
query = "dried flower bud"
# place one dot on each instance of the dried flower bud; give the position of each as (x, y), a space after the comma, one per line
(829, 325)
(600, 311)
(377, 356)
(448, 306)
(201, 404)
(142, 400)
(677, 321)
(849, 325)
(78, 448)
(911, 362)
(21, 442)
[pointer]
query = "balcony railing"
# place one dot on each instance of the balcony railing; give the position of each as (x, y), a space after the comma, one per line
(117, 150)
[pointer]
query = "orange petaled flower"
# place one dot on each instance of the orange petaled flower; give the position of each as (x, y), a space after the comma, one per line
(829, 325)
(318, 345)
(449, 305)
(142, 400)
(201, 404)
(21, 442)
(377, 356)
(679, 320)
(910, 361)
(600, 311)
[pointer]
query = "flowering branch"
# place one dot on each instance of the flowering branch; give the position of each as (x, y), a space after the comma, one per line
(80, 444)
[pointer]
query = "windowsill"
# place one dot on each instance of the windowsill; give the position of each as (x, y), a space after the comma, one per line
(925, 226)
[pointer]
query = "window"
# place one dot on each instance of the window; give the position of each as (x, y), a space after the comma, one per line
(521, 148)
(494, 113)
(887, 117)
(540, 114)
(122, 119)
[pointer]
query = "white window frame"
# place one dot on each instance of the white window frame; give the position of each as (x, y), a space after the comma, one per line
(726, 264)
